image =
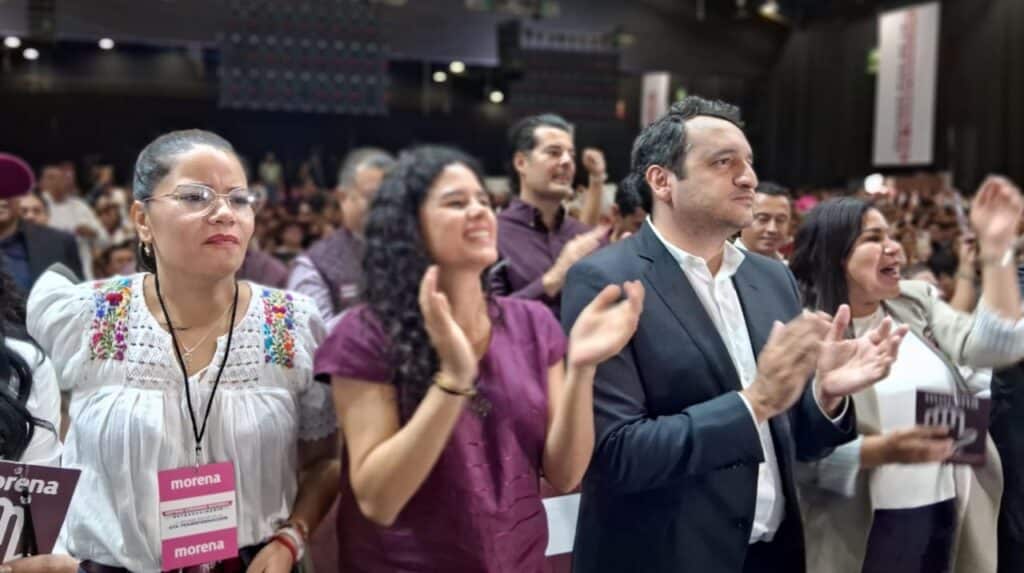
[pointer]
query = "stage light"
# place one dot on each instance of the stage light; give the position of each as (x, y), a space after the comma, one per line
(12, 42)
(457, 67)
(769, 9)
(106, 44)
(31, 54)
(440, 77)
(496, 96)
(875, 184)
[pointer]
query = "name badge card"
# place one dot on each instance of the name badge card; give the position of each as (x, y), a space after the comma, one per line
(33, 503)
(966, 417)
(198, 515)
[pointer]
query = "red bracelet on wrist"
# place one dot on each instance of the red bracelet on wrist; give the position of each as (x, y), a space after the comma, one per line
(287, 542)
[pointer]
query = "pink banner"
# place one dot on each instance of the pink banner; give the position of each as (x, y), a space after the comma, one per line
(43, 491)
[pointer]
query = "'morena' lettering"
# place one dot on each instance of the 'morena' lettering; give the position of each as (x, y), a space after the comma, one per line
(200, 549)
(196, 481)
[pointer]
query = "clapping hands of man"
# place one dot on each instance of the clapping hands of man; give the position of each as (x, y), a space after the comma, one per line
(815, 344)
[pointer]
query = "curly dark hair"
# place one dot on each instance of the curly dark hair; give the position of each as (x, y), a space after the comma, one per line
(395, 260)
(17, 424)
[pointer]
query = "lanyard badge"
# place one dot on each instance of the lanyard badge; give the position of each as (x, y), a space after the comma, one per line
(198, 515)
(198, 505)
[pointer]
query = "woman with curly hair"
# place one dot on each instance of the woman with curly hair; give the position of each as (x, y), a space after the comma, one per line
(454, 403)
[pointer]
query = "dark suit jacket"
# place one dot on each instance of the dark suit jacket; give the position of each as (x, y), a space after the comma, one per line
(672, 484)
(48, 246)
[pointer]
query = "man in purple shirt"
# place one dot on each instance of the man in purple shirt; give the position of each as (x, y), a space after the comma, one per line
(537, 241)
(331, 271)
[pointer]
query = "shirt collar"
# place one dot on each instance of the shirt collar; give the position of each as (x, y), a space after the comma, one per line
(866, 323)
(741, 245)
(529, 215)
(732, 257)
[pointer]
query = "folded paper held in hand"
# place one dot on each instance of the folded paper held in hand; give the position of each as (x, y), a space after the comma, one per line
(967, 418)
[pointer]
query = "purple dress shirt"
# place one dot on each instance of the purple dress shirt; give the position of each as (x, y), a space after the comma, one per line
(331, 273)
(263, 269)
(527, 249)
(480, 508)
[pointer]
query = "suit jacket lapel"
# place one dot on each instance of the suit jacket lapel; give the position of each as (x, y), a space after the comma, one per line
(38, 250)
(756, 313)
(671, 284)
(759, 318)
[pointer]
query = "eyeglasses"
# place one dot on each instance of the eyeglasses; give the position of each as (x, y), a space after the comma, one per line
(198, 198)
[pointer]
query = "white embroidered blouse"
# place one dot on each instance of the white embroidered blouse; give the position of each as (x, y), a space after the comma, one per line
(129, 417)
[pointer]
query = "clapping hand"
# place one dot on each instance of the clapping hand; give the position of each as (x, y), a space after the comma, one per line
(453, 347)
(995, 213)
(606, 324)
(846, 367)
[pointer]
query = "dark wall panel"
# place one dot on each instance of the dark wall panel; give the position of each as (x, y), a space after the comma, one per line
(817, 113)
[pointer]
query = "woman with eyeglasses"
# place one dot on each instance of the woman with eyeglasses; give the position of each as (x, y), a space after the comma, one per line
(891, 500)
(185, 366)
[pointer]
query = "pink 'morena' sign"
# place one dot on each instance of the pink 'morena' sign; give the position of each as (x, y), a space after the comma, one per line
(198, 515)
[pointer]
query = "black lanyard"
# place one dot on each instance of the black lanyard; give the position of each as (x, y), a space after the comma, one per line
(198, 431)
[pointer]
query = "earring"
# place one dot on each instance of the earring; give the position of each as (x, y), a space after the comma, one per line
(147, 250)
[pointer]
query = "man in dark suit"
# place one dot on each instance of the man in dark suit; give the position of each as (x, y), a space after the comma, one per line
(28, 249)
(700, 418)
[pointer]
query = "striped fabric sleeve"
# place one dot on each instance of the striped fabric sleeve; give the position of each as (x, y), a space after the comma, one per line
(837, 472)
(994, 340)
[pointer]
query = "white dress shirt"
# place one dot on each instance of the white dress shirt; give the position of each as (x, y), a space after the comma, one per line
(738, 243)
(718, 295)
(72, 213)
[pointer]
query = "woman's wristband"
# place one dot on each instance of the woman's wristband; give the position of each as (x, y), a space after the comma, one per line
(445, 383)
(292, 537)
(1001, 260)
(288, 544)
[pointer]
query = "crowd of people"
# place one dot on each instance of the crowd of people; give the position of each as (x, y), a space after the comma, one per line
(726, 370)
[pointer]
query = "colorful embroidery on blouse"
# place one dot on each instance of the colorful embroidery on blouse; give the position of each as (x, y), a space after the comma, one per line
(278, 328)
(109, 332)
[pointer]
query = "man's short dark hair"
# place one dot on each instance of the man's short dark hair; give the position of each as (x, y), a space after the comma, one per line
(521, 137)
(774, 189)
(663, 142)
